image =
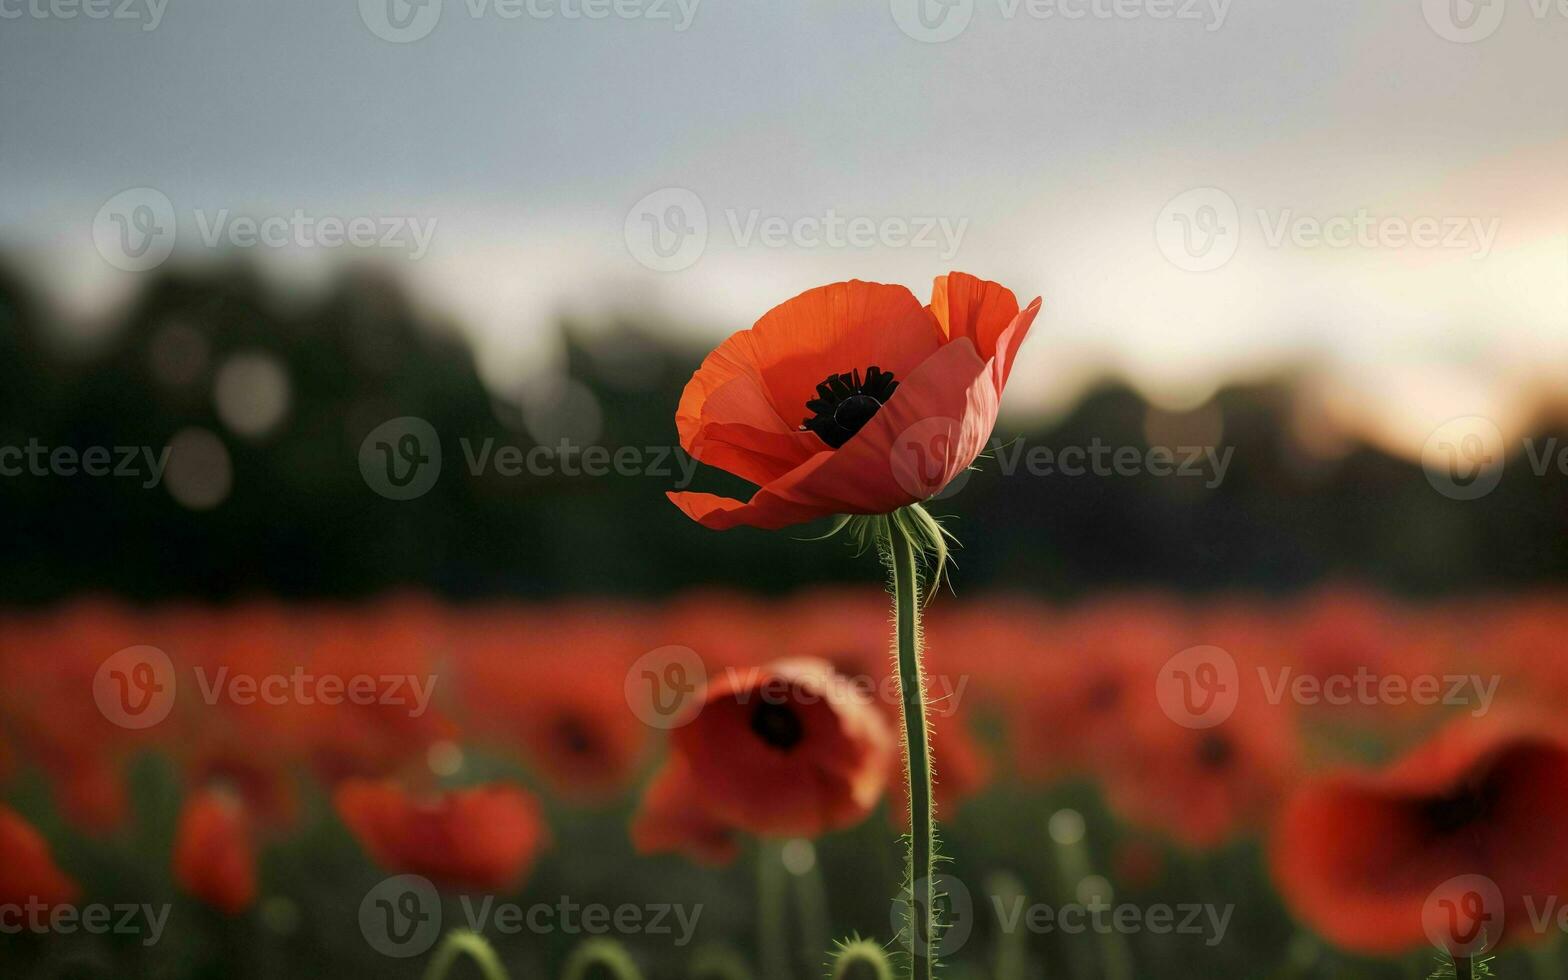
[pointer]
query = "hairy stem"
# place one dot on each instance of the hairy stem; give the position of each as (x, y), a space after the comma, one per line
(923, 897)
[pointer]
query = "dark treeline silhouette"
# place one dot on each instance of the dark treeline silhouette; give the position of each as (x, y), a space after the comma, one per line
(299, 519)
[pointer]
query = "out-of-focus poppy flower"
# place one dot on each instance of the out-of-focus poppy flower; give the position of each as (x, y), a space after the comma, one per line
(551, 681)
(1202, 786)
(50, 661)
(484, 837)
(215, 851)
(28, 874)
(262, 784)
(1086, 679)
(811, 402)
(1350, 642)
(787, 749)
(1523, 640)
(672, 819)
(378, 716)
(850, 632)
(1360, 856)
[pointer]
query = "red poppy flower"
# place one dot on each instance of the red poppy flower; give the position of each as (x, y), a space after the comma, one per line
(49, 660)
(28, 875)
(483, 838)
(214, 851)
(382, 661)
(552, 682)
(787, 749)
(813, 402)
(850, 631)
(1085, 679)
(1361, 856)
(672, 819)
(1202, 786)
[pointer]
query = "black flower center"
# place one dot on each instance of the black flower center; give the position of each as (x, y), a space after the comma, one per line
(777, 725)
(846, 402)
(1215, 752)
(1462, 808)
(575, 737)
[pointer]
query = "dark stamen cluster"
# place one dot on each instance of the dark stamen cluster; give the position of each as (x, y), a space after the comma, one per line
(846, 402)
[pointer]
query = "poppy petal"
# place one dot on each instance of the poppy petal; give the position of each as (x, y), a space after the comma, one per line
(840, 327)
(967, 306)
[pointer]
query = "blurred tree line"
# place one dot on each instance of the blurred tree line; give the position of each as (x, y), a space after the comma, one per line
(296, 518)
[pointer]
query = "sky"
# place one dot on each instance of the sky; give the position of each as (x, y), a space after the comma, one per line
(1201, 190)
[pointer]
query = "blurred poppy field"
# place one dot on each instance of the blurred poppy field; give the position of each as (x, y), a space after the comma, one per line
(1110, 814)
(1301, 719)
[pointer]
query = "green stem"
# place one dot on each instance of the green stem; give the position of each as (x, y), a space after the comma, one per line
(458, 942)
(1463, 969)
(606, 954)
(772, 949)
(811, 906)
(917, 748)
(1010, 959)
